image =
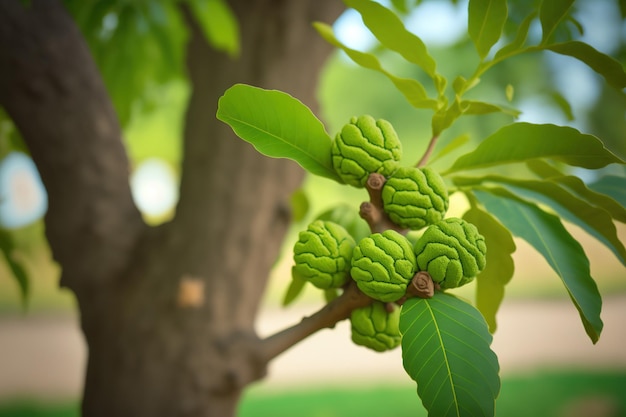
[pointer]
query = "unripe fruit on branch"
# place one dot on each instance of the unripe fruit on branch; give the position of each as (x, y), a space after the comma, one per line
(383, 264)
(415, 197)
(375, 327)
(365, 146)
(322, 254)
(452, 252)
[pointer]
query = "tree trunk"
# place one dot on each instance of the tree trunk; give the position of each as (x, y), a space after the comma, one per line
(168, 312)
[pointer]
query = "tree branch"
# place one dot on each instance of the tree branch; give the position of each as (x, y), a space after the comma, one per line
(233, 210)
(51, 89)
(338, 309)
(335, 311)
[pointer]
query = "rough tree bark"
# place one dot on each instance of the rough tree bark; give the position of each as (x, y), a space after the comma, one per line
(168, 312)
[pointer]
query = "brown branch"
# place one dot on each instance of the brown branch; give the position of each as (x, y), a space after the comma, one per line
(332, 313)
(52, 90)
(429, 150)
(372, 211)
(339, 309)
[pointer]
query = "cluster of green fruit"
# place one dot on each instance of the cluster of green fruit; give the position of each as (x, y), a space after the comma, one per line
(450, 250)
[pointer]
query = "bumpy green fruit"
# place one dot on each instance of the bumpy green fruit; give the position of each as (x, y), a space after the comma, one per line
(376, 328)
(322, 254)
(452, 252)
(414, 198)
(383, 264)
(365, 146)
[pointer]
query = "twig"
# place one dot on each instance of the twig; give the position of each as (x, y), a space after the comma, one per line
(332, 313)
(372, 211)
(431, 147)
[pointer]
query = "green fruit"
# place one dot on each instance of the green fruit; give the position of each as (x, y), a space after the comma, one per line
(365, 146)
(322, 254)
(414, 198)
(383, 264)
(376, 328)
(452, 252)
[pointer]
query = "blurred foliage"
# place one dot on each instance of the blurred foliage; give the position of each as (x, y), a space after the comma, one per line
(139, 45)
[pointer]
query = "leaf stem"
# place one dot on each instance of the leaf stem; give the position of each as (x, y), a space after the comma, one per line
(429, 150)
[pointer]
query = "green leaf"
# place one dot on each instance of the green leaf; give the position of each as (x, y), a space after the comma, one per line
(413, 91)
(295, 287)
(7, 247)
(564, 254)
(612, 186)
(612, 71)
(218, 23)
(446, 350)
(519, 142)
(400, 5)
(544, 170)
(518, 42)
(473, 107)
(551, 13)
(391, 32)
(594, 220)
(562, 103)
(459, 84)
(299, 203)
(486, 21)
(451, 147)
(444, 117)
(278, 126)
(330, 294)
(491, 281)
(577, 24)
(509, 92)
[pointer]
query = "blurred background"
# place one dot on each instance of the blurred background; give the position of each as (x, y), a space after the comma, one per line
(549, 366)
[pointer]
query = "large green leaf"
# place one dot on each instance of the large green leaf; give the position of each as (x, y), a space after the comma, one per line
(499, 270)
(446, 350)
(544, 170)
(413, 90)
(279, 126)
(612, 186)
(551, 13)
(486, 21)
(564, 254)
(611, 69)
(391, 32)
(520, 142)
(594, 220)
